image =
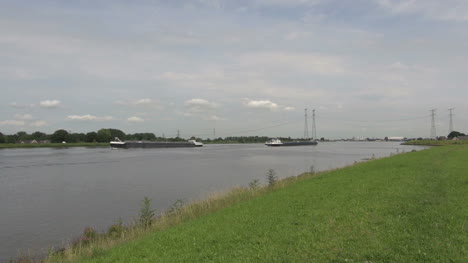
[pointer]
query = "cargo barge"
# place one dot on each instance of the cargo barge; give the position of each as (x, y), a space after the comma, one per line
(117, 143)
(278, 142)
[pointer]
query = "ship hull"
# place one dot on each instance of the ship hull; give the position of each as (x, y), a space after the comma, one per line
(291, 143)
(126, 145)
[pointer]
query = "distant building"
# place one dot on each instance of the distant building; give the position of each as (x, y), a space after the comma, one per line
(461, 138)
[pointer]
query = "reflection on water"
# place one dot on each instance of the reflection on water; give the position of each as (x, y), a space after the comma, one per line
(48, 196)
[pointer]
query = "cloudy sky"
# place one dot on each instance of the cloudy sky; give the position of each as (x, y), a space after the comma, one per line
(370, 68)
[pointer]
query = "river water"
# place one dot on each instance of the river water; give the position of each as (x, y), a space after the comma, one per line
(49, 195)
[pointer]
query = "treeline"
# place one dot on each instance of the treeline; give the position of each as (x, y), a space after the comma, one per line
(59, 136)
(107, 135)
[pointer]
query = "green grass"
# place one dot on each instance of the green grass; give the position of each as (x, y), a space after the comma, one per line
(408, 208)
(53, 145)
(436, 142)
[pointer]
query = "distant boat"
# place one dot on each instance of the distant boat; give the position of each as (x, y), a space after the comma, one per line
(117, 143)
(278, 142)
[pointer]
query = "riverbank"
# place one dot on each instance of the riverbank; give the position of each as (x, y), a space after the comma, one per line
(407, 208)
(436, 142)
(52, 145)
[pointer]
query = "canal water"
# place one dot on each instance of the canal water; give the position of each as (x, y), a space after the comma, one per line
(49, 195)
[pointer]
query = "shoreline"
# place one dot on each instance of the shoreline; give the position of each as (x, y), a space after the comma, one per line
(436, 142)
(52, 145)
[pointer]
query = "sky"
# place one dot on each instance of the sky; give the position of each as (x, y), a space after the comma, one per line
(205, 68)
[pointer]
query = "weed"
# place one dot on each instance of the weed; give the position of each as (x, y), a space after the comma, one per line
(146, 213)
(271, 177)
(176, 207)
(312, 169)
(116, 230)
(254, 184)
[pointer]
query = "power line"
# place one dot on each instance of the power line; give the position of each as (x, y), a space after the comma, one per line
(373, 123)
(382, 120)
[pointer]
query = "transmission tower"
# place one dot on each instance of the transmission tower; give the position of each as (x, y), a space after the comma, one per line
(451, 119)
(214, 133)
(314, 130)
(178, 133)
(433, 127)
(306, 126)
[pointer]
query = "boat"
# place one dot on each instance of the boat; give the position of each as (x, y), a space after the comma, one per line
(278, 142)
(117, 143)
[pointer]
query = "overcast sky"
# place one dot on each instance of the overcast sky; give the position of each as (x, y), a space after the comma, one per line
(370, 68)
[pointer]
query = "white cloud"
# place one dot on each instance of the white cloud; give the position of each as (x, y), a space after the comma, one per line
(88, 117)
(23, 116)
(135, 119)
(201, 108)
(266, 104)
(261, 104)
(12, 123)
(38, 124)
(49, 104)
(145, 102)
(199, 105)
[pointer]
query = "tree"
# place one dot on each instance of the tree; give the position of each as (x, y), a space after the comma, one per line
(59, 136)
(11, 138)
(75, 137)
(2, 138)
(91, 137)
(23, 136)
(39, 136)
(103, 135)
(455, 134)
(116, 133)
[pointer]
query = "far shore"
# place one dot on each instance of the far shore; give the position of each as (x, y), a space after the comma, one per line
(52, 145)
(435, 142)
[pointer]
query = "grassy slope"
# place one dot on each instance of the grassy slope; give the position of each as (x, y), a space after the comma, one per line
(408, 208)
(435, 142)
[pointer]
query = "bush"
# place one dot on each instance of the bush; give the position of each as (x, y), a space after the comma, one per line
(254, 184)
(146, 213)
(116, 230)
(271, 177)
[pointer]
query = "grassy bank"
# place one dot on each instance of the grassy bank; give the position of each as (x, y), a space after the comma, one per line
(407, 208)
(436, 142)
(52, 145)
